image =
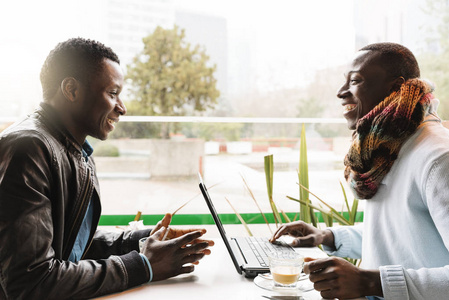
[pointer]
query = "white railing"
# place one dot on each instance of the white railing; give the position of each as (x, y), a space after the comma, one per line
(188, 119)
(198, 119)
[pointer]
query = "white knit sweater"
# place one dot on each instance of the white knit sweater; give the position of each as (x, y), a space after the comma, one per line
(406, 224)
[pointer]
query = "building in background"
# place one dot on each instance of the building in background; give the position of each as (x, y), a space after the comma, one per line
(127, 22)
(210, 33)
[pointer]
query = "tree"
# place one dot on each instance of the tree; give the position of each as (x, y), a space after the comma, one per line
(171, 78)
(434, 65)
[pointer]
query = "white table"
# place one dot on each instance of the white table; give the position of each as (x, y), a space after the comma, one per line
(214, 278)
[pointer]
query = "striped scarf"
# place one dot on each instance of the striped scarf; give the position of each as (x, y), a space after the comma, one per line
(381, 133)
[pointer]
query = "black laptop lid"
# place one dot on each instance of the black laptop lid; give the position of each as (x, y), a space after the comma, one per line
(218, 223)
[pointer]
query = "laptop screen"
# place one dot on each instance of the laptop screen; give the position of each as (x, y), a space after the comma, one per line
(218, 223)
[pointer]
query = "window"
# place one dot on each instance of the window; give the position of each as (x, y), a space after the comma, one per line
(278, 65)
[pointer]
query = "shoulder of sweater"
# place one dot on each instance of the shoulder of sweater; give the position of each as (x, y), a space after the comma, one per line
(432, 135)
(428, 144)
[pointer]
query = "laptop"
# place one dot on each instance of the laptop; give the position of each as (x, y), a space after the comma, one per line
(249, 254)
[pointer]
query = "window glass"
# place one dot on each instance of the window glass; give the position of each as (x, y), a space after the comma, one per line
(268, 67)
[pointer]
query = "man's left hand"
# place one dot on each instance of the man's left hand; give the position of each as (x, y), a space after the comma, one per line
(335, 277)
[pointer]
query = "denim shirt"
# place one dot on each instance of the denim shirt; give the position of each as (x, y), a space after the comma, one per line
(83, 234)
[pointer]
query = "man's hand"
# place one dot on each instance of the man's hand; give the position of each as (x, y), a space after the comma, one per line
(306, 235)
(169, 258)
(171, 232)
(335, 277)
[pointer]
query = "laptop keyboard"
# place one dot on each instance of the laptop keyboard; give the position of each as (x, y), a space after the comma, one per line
(261, 247)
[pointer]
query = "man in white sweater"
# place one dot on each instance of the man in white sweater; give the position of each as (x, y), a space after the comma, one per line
(398, 162)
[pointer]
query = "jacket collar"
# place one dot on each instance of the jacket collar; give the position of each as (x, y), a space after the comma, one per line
(51, 117)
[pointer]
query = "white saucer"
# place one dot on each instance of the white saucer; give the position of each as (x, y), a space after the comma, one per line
(268, 284)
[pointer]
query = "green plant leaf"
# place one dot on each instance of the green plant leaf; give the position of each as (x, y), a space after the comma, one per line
(333, 213)
(286, 218)
(322, 201)
(345, 197)
(269, 170)
(305, 212)
(255, 201)
(327, 219)
(353, 216)
(353, 210)
(188, 201)
(240, 218)
(277, 216)
(296, 217)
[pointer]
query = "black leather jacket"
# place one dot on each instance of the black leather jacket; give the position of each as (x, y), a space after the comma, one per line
(45, 188)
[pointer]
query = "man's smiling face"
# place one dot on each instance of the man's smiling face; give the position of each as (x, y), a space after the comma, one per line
(367, 83)
(101, 105)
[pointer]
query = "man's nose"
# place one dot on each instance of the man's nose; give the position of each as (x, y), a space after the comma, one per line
(343, 92)
(120, 107)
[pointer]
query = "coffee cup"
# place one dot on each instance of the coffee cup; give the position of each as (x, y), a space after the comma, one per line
(285, 269)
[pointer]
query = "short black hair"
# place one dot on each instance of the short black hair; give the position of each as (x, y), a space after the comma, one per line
(398, 60)
(78, 58)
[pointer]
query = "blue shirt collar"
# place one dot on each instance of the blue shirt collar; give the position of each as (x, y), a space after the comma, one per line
(87, 150)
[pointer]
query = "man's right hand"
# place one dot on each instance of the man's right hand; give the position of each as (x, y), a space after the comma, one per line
(306, 235)
(169, 258)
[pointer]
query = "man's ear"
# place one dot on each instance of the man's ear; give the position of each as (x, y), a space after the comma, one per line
(70, 88)
(397, 83)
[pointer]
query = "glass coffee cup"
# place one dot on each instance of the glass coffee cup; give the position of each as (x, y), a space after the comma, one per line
(285, 269)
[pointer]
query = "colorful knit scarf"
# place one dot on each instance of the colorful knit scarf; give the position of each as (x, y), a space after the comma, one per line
(381, 133)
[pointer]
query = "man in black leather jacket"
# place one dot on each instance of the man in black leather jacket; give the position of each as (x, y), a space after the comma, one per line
(49, 193)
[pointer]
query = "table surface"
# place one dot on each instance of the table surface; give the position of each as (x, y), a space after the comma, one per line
(215, 277)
